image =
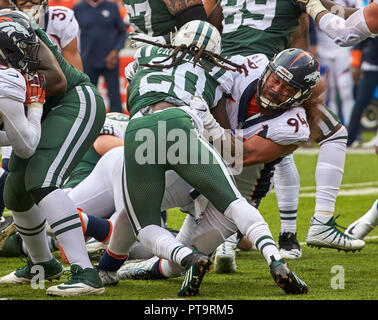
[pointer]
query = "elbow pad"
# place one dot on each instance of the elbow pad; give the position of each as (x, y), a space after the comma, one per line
(345, 33)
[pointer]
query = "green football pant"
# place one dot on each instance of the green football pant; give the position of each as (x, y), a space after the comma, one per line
(67, 132)
(165, 141)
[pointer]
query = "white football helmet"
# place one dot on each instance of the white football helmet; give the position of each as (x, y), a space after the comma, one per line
(117, 122)
(201, 33)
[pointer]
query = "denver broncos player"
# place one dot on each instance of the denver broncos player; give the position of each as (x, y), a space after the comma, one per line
(58, 22)
(249, 30)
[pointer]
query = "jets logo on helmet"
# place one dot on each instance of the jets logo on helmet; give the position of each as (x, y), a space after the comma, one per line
(200, 33)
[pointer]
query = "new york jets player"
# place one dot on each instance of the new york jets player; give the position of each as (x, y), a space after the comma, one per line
(264, 22)
(160, 18)
(275, 126)
(161, 94)
(71, 121)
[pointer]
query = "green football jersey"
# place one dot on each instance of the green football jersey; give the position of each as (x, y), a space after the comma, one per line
(73, 76)
(181, 82)
(150, 17)
(259, 26)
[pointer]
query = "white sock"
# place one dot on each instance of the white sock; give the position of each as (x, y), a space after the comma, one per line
(64, 220)
(323, 216)
(286, 186)
(372, 215)
(31, 227)
(329, 170)
(163, 244)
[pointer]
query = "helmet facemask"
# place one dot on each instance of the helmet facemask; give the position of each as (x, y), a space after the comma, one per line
(35, 12)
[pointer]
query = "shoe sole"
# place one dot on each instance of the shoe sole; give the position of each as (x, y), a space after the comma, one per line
(4, 235)
(21, 280)
(286, 254)
(288, 284)
(68, 293)
(192, 282)
(224, 265)
(320, 245)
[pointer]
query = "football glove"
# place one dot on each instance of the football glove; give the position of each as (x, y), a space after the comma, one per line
(312, 7)
(136, 40)
(35, 89)
(212, 127)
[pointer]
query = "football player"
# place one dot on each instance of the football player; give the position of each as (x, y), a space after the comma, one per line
(58, 22)
(278, 92)
(270, 34)
(189, 76)
(73, 115)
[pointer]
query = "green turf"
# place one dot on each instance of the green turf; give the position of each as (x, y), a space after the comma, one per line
(252, 281)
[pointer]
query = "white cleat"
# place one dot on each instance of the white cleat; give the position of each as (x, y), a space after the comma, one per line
(141, 270)
(289, 246)
(225, 258)
(83, 282)
(108, 278)
(95, 248)
(326, 235)
(361, 227)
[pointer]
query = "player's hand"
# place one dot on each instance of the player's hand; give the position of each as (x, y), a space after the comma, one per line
(137, 37)
(35, 89)
(301, 4)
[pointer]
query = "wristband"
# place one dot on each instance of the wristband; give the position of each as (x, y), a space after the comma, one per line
(314, 7)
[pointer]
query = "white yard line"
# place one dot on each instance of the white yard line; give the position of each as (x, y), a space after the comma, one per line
(312, 151)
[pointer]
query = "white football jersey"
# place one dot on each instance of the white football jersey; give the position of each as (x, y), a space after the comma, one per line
(12, 84)
(243, 81)
(61, 26)
(289, 127)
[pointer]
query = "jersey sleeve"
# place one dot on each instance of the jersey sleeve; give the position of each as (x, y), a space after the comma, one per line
(252, 67)
(12, 84)
(62, 25)
(289, 128)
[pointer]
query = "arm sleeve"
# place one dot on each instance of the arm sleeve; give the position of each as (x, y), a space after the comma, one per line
(22, 133)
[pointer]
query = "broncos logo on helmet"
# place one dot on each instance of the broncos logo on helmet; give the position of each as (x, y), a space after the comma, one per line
(19, 44)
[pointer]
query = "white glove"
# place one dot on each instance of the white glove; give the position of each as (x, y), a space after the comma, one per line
(136, 43)
(214, 130)
(130, 70)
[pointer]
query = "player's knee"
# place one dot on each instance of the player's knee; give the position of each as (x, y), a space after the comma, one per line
(40, 193)
(16, 198)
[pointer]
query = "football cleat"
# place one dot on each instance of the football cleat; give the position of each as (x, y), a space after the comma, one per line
(140, 270)
(289, 246)
(225, 258)
(53, 270)
(7, 228)
(327, 235)
(82, 282)
(107, 277)
(287, 279)
(13, 247)
(196, 265)
(95, 248)
(359, 229)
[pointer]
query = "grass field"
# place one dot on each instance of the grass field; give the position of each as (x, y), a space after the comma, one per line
(330, 275)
